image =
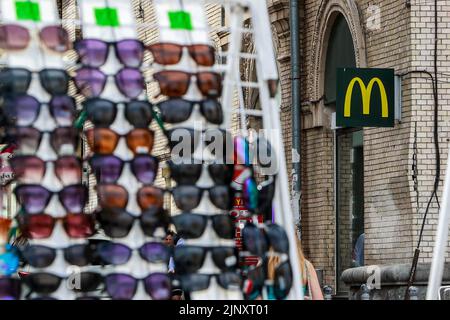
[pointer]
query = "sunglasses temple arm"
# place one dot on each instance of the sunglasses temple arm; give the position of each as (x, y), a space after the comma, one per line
(158, 120)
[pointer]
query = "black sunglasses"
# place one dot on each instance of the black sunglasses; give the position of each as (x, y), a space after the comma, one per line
(46, 283)
(40, 257)
(258, 240)
(199, 282)
(180, 110)
(190, 259)
(188, 197)
(192, 226)
(17, 81)
(188, 174)
(103, 112)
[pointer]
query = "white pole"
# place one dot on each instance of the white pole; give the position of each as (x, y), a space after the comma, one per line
(437, 265)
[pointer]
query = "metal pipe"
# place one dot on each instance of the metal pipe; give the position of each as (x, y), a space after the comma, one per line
(296, 107)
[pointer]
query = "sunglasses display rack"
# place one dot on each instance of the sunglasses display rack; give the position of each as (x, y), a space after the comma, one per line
(39, 116)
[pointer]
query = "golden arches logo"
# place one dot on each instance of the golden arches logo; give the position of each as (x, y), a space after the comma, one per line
(366, 93)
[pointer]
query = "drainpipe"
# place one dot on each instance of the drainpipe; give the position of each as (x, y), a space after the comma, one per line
(296, 108)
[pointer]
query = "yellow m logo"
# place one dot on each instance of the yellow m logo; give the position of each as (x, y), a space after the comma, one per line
(366, 93)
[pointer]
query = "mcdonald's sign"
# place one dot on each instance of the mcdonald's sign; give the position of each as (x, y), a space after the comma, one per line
(365, 98)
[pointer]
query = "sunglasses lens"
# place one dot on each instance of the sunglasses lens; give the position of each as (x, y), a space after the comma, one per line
(112, 196)
(218, 142)
(21, 110)
(254, 240)
(283, 280)
(64, 140)
(250, 192)
(55, 82)
(10, 289)
(257, 278)
(224, 226)
(92, 53)
(222, 197)
(14, 37)
(153, 219)
(121, 286)
(27, 139)
(115, 222)
(185, 174)
(225, 258)
(80, 225)
(183, 142)
(141, 140)
(203, 55)
(166, 53)
(190, 226)
(78, 255)
(175, 110)
(155, 252)
(278, 238)
(39, 256)
(158, 286)
(150, 197)
(90, 82)
(209, 84)
(139, 113)
(43, 283)
(266, 195)
(130, 53)
(114, 253)
(63, 110)
(212, 111)
(221, 173)
(101, 112)
(173, 84)
(145, 168)
(15, 81)
(37, 226)
(55, 38)
(33, 198)
(74, 198)
(130, 82)
(102, 141)
(189, 259)
(195, 282)
(187, 198)
(107, 169)
(230, 280)
(68, 170)
(28, 169)
(89, 281)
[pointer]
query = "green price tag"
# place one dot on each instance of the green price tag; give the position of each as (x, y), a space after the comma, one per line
(106, 17)
(27, 10)
(180, 20)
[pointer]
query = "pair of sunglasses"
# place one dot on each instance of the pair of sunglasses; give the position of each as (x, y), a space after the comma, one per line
(175, 84)
(91, 82)
(23, 110)
(31, 169)
(17, 81)
(190, 259)
(47, 283)
(41, 226)
(15, 37)
(116, 196)
(108, 169)
(104, 141)
(189, 174)
(199, 282)
(257, 241)
(171, 53)
(117, 223)
(179, 110)
(119, 254)
(63, 140)
(94, 52)
(216, 140)
(35, 198)
(188, 197)
(10, 289)
(39, 256)
(102, 112)
(192, 226)
(122, 286)
(259, 198)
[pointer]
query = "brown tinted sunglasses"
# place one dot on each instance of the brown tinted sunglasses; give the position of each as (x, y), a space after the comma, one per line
(115, 196)
(171, 53)
(104, 141)
(175, 84)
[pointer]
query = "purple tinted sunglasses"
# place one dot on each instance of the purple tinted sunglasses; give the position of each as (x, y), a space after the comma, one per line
(92, 81)
(118, 254)
(94, 52)
(123, 286)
